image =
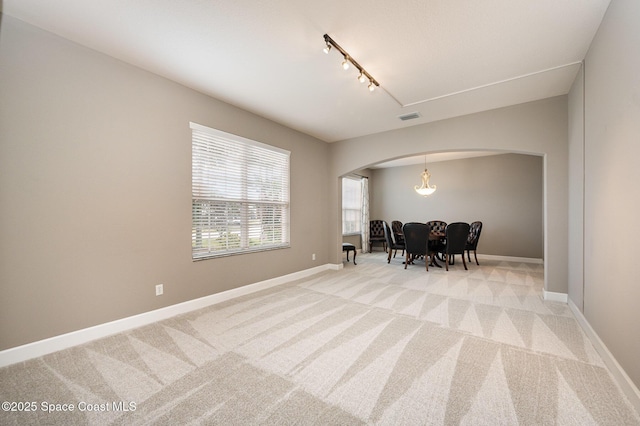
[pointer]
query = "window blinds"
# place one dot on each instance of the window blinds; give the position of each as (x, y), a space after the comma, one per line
(240, 194)
(351, 205)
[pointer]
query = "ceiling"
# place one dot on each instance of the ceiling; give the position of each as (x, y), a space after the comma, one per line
(439, 58)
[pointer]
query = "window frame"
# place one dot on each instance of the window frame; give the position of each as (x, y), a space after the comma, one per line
(240, 192)
(359, 210)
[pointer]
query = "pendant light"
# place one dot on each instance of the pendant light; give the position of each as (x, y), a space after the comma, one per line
(425, 189)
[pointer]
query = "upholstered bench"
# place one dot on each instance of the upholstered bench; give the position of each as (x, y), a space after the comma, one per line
(349, 247)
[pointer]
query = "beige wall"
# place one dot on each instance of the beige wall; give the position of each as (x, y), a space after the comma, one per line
(95, 184)
(502, 191)
(538, 128)
(576, 192)
(611, 176)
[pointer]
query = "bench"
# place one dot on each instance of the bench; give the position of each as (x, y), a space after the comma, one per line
(349, 247)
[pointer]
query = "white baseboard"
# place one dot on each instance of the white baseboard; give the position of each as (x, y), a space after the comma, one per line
(555, 297)
(74, 338)
(619, 375)
(511, 258)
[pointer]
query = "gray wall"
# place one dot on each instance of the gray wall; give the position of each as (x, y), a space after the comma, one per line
(576, 193)
(538, 128)
(611, 175)
(502, 191)
(95, 190)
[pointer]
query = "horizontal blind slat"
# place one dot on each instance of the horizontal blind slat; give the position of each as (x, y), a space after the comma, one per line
(240, 194)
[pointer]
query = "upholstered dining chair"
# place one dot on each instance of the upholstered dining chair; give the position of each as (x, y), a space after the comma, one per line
(472, 240)
(416, 242)
(376, 233)
(396, 227)
(438, 226)
(392, 244)
(456, 234)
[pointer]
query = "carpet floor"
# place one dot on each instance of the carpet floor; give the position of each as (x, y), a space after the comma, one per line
(369, 344)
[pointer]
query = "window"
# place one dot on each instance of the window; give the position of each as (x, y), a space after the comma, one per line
(351, 206)
(240, 195)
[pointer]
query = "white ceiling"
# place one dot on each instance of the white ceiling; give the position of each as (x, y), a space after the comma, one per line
(441, 58)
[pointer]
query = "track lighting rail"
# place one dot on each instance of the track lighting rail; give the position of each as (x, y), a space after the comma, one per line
(364, 75)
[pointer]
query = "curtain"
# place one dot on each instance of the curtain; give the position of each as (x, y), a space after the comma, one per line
(365, 215)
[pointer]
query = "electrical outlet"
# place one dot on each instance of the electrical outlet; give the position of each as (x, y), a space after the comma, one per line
(313, 256)
(159, 289)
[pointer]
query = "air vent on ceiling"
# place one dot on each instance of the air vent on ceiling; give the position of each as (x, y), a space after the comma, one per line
(409, 116)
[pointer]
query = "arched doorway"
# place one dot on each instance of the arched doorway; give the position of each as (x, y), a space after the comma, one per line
(536, 128)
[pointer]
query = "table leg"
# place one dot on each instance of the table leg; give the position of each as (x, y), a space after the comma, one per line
(434, 261)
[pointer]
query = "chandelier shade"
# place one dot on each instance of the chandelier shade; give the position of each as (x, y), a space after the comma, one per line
(425, 189)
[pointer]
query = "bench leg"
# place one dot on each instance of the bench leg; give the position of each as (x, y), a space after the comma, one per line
(354, 253)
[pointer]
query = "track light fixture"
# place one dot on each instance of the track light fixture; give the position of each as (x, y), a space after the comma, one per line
(348, 59)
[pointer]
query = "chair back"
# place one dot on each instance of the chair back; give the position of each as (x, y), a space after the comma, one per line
(437, 225)
(416, 238)
(457, 234)
(474, 235)
(388, 235)
(396, 227)
(376, 229)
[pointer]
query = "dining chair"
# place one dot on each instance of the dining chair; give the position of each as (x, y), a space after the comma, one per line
(438, 226)
(396, 227)
(472, 240)
(376, 233)
(456, 234)
(416, 242)
(392, 244)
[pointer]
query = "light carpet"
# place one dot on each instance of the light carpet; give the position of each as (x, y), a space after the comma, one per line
(369, 344)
